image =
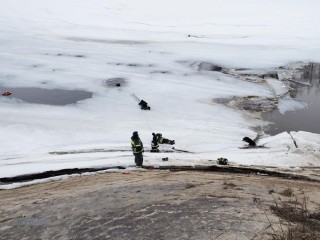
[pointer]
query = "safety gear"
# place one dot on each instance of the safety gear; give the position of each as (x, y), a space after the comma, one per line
(154, 143)
(136, 143)
(6, 93)
(137, 146)
(154, 148)
(159, 138)
(144, 105)
(138, 159)
(167, 141)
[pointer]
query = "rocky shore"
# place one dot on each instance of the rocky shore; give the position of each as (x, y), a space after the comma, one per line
(151, 204)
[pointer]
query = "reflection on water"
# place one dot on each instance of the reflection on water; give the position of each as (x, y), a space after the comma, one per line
(47, 96)
(307, 119)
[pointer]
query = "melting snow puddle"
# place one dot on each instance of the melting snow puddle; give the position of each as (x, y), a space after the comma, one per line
(306, 119)
(47, 96)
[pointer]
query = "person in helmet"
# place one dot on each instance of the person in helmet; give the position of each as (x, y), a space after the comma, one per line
(162, 140)
(158, 139)
(137, 149)
(154, 143)
(144, 105)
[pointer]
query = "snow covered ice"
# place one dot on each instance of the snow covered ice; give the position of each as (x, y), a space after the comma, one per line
(80, 44)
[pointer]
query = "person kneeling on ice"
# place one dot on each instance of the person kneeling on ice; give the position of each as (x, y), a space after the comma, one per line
(158, 139)
(162, 140)
(144, 105)
(137, 149)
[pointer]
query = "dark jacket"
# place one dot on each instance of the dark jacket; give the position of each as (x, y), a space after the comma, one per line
(136, 144)
(159, 138)
(154, 142)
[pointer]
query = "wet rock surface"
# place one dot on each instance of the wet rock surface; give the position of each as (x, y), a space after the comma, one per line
(145, 205)
(254, 104)
(249, 103)
(270, 75)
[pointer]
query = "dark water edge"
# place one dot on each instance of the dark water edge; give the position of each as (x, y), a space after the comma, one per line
(213, 168)
(58, 97)
(307, 119)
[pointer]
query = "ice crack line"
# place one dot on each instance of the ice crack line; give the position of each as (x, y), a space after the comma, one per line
(294, 141)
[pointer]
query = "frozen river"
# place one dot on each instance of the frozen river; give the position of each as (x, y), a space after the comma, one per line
(155, 48)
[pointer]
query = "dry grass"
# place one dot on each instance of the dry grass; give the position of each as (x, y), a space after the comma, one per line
(296, 220)
(299, 222)
(288, 192)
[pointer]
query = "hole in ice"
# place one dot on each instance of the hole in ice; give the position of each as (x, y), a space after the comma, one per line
(306, 87)
(47, 96)
(116, 82)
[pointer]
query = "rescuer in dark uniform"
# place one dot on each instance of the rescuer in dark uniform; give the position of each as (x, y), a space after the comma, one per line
(158, 139)
(162, 140)
(137, 149)
(144, 105)
(154, 143)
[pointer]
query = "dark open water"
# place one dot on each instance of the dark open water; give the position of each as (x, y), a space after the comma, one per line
(307, 119)
(47, 96)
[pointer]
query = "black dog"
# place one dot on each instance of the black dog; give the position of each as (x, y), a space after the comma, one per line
(250, 141)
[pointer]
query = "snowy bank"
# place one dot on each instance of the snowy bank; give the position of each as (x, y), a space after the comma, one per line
(78, 45)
